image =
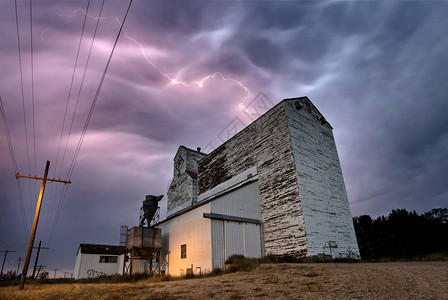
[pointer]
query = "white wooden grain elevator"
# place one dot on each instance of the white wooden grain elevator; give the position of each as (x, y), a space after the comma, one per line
(275, 188)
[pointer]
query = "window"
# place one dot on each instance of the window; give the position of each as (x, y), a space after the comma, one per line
(108, 259)
(183, 251)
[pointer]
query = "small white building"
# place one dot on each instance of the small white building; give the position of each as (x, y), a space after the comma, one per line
(96, 260)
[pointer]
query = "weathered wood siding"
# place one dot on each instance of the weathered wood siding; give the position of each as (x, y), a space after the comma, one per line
(180, 193)
(192, 160)
(322, 192)
(183, 191)
(266, 144)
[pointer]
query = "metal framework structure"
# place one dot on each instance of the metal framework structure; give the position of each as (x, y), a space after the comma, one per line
(123, 235)
(152, 255)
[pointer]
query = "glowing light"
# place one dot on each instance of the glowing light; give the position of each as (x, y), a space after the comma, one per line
(198, 83)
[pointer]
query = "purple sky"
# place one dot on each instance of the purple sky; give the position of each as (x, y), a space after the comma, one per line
(376, 70)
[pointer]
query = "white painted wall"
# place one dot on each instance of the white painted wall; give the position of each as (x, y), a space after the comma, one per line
(322, 192)
(77, 265)
(86, 262)
(192, 229)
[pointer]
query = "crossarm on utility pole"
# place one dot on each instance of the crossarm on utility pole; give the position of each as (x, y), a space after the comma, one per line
(40, 178)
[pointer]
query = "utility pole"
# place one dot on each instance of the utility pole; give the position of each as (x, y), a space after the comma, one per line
(19, 260)
(55, 272)
(40, 268)
(65, 274)
(37, 257)
(36, 218)
(4, 258)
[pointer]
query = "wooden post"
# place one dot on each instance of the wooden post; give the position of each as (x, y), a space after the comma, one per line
(159, 258)
(18, 266)
(37, 258)
(4, 258)
(33, 231)
(36, 219)
(132, 262)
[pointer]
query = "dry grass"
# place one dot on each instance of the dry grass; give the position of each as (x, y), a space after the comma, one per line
(398, 280)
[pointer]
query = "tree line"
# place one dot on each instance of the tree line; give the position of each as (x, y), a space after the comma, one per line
(402, 234)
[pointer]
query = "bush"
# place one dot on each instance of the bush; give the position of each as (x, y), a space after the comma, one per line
(240, 263)
(115, 278)
(277, 259)
(217, 271)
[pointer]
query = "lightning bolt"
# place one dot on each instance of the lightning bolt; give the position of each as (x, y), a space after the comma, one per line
(199, 83)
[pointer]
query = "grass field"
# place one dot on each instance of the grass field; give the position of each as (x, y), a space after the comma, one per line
(391, 280)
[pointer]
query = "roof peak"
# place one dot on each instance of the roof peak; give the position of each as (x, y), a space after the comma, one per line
(198, 150)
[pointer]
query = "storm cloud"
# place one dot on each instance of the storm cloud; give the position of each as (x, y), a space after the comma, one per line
(376, 70)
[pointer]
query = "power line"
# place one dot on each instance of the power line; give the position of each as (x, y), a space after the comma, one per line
(71, 83)
(64, 190)
(8, 136)
(32, 83)
(81, 85)
(24, 117)
(22, 207)
(9, 262)
(92, 107)
(21, 86)
(65, 113)
(14, 163)
(32, 97)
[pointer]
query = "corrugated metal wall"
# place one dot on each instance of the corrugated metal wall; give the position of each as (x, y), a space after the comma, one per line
(218, 245)
(253, 240)
(234, 238)
(230, 237)
(242, 202)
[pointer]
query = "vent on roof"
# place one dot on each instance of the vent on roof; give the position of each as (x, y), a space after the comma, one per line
(298, 105)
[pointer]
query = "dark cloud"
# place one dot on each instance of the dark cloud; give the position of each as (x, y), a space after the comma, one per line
(265, 54)
(374, 69)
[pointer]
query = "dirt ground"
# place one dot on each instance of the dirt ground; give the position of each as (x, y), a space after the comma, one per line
(401, 280)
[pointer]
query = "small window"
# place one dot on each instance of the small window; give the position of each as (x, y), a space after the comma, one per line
(108, 259)
(183, 251)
